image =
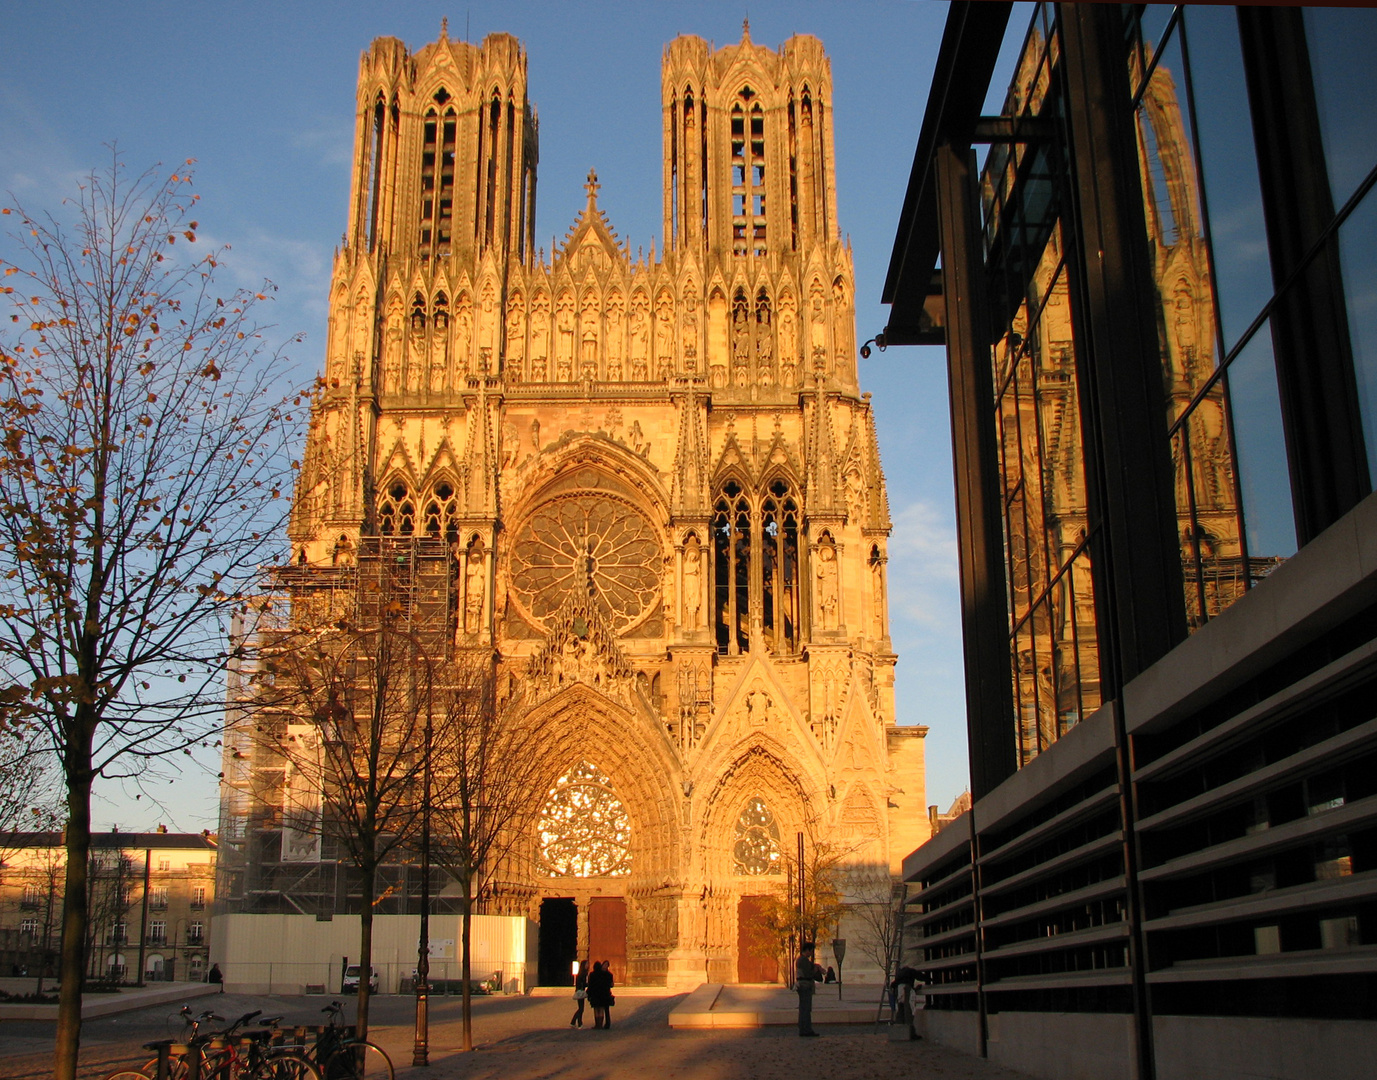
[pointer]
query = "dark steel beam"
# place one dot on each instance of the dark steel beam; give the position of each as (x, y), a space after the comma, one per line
(990, 721)
(966, 58)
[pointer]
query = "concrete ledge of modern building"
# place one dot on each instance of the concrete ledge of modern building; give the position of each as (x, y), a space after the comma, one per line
(1085, 749)
(1329, 580)
(939, 847)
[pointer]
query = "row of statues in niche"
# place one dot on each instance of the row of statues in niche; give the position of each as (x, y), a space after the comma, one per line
(438, 345)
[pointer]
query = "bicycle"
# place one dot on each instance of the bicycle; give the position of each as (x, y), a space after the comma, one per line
(220, 1058)
(342, 1056)
(191, 1026)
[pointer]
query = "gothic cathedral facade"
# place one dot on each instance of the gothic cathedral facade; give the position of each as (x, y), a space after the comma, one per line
(656, 478)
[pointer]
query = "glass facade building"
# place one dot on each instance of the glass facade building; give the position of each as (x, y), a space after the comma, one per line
(1153, 272)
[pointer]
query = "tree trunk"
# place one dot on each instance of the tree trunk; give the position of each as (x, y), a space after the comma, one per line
(368, 885)
(75, 914)
(464, 964)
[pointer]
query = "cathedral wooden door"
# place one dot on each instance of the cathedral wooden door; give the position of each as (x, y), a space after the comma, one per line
(752, 964)
(607, 934)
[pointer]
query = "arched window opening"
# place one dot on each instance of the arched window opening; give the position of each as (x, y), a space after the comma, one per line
(418, 314)
(674, 171)
(755, 852)
(584, 830)
(779, 520)
(440, 317)
(375, 171)
(739, 188)
(490, 202)
(756, 175)
(441, 510)
(445, 223)
(397, 511)
(731, 530)
(429, 132)
(793, 175)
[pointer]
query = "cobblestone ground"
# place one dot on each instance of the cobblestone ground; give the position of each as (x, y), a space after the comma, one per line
(521, 1038)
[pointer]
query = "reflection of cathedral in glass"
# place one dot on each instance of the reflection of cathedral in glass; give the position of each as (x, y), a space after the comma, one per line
(1046, 511)
(647, 485)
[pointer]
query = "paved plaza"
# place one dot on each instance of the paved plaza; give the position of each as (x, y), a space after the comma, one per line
(528, 1038)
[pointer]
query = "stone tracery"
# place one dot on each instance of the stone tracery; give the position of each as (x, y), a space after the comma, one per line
(573, 541)
(584, 830)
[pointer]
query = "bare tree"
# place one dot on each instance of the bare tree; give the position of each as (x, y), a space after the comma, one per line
(25, 789)
(347, 712)
(782, 921)
(142, 455)
(491, 769)
(875, 913)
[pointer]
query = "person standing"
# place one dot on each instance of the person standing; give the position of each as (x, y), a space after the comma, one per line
(580, 994)
(215, 978)
(600, 994)
(805, 982)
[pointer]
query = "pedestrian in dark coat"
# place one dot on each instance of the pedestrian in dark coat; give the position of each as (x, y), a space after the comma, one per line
(600, 994)
(806, 976)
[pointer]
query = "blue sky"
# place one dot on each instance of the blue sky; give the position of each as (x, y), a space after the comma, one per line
(262, 96)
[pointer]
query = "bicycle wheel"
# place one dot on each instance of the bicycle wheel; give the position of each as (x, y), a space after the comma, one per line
(359, 1061)
(177, 1069)
(287, 1065)
(127, 1074)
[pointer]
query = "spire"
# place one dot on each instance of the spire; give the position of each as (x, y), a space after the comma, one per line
(444, 28)
(592, 188)
(745, 30)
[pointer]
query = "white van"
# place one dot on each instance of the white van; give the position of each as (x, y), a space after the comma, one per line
(350, 985)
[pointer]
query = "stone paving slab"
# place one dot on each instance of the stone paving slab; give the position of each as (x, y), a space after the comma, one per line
(714, 1005)
(525, 1038)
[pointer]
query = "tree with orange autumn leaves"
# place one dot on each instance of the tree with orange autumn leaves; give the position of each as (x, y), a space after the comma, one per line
(144, 456)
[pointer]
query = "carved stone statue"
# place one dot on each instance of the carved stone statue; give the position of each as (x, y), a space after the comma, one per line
(616, 335)
(817, 334)
(564, 339)
(588, 343)
(640, 340)
(693, 587)
(827, 586)
(758, 707)
(474, 589)
(741, 347)
(392, 348)
(540, 337)
(664, 339)
(516, 342)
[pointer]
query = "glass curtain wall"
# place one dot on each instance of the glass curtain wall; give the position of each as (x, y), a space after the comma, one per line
(1215, 294)
(1051, 603)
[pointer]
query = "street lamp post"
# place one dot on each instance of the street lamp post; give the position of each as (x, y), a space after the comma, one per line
(420, 1053)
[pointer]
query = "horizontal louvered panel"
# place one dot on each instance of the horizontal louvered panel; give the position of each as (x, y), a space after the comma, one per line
(1278, 902)
(1099, 846)
(1329, 680)
(1346, 744)
(1265, 841)
(1076, 939)
(1072, 815)
(1099, 891)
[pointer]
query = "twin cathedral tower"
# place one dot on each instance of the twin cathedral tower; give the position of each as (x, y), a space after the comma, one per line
(654, 482)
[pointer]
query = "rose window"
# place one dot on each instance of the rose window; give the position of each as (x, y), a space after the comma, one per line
(568, 541)
(583, 829)
(756, 851)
